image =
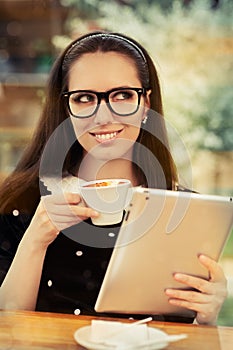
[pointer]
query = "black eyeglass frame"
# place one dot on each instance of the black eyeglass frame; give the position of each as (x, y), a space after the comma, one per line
(104, 95)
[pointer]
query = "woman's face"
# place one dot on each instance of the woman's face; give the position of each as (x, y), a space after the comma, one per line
(106, 135)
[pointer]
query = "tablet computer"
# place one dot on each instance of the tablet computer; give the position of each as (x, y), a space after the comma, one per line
(163, 232)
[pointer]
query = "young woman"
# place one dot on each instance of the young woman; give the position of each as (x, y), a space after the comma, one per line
(102, 118)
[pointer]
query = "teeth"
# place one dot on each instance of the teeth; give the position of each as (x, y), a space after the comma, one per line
(106, 136)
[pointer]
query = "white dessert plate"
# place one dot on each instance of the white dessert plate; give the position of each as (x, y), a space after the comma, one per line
(83, 337)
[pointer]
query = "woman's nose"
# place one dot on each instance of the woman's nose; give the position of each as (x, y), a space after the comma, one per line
(103, 114)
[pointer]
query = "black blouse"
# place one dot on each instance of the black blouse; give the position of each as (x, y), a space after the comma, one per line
(74, 266)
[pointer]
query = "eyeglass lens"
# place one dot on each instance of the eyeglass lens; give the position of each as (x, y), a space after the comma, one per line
(122, 102)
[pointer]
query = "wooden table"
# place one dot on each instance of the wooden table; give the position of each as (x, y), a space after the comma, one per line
(26, 330)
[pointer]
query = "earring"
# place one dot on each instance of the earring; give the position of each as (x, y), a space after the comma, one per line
(145, 119)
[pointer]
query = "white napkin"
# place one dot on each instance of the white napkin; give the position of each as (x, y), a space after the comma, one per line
(116, 333)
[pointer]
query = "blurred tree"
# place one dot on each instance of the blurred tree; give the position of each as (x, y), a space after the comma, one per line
(167, 5)
(87, 9)
(216, 128)
(91, 9)
(217, 120)
(225, 316)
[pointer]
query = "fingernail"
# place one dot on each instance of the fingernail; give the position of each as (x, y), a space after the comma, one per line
(95, 213)
(168, 291)
(202, 257)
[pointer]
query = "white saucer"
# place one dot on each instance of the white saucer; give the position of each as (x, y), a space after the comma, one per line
(83, 336)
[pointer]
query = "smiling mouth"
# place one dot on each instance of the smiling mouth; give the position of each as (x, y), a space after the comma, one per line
(106, 136)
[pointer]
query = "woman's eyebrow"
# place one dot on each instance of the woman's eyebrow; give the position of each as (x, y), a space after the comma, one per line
(113, 88)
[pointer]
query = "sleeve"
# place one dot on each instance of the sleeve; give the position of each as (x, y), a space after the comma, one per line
(12, 228)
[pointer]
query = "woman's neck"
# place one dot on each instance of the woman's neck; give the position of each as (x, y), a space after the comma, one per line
(93, 169)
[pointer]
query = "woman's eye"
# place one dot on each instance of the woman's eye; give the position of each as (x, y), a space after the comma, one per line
(83, 98)
(122, 95)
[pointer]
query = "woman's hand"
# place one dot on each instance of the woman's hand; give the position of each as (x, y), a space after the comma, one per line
(55, 213)
(210, 295)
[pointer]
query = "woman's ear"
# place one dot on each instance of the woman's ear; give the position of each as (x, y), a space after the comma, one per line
(147, 98)
(147, 105)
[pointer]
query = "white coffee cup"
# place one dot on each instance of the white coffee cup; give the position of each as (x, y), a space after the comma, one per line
(109, 197)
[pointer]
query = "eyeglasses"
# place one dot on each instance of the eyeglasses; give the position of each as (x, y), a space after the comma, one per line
(120, 101)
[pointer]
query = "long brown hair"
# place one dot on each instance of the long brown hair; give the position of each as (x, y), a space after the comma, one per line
(21, 188)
